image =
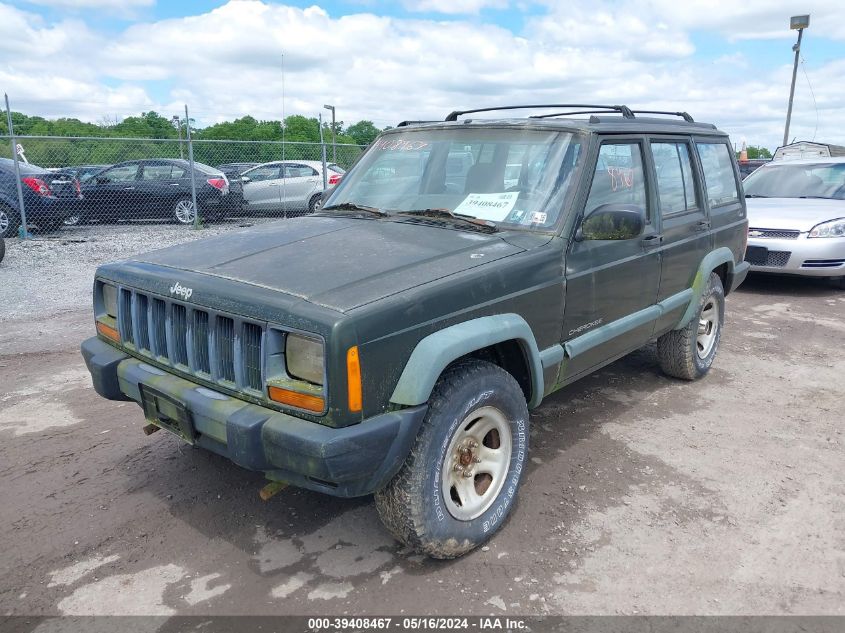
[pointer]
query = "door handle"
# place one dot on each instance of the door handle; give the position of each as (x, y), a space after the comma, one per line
(129, 188)
(174, 184)
(652, 241)
(701, 225)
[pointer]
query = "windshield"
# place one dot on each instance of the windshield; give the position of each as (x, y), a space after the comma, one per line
(510, 176)
(817, 180)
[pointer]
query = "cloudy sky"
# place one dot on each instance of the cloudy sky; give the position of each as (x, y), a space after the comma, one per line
(728, 62)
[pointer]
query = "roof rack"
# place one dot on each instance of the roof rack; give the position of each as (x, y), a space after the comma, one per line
(625, 111)
(407, 123)
(684, 115)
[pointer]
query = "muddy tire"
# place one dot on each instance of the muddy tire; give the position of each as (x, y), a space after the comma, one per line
(460, 480)
(2, 249)
(688, 353)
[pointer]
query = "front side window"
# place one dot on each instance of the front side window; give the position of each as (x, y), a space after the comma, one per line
(511, 176)
(162, 172)
(121, 174)
(619, 177)
(807, 180)
(719, 178)
(266, 172)
(675, 185)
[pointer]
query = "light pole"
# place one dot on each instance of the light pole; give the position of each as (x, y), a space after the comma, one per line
(178, 123)
(334, 143)
(799, 23)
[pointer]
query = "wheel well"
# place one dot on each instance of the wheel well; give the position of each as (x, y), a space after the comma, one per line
(510, 356)
(722, 271)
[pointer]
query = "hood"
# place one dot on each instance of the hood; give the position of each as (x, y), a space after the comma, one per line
(796, 214)
(338, 263)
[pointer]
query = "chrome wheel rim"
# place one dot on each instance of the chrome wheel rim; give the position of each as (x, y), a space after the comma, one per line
(708, 328)
(476, 463)
(185, 211)
(4, 222)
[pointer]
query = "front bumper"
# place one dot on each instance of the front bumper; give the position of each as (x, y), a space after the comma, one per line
(811, 257)
(344, 462)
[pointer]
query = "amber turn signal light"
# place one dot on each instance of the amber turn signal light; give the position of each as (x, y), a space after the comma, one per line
(108, 332)
(353, 379)
(296, 399)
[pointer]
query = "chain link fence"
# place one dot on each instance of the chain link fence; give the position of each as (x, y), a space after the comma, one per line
(63, 182)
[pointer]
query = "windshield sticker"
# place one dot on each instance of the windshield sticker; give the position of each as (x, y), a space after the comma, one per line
(490, 206)
(538, 217)
(399, 145)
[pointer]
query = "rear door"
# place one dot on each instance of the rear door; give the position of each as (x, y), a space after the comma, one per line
(159, 185)
(723, 191)
(262, 192)
(607, 280)
(685, 225)
(300, 183)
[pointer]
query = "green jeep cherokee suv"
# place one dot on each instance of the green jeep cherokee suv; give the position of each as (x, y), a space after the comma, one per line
(394, 342)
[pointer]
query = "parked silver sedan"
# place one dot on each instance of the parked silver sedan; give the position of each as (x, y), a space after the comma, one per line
(287, 187)
(796, 218)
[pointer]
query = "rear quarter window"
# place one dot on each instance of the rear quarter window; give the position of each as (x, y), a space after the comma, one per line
(719, 178)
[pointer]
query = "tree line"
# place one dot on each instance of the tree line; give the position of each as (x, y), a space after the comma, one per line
(152, 125)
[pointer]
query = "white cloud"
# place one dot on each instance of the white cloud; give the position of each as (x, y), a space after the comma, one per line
(228, 62)
(454, 7)
(94, 4)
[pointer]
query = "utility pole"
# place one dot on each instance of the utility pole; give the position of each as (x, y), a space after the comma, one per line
(334, 140)
(178, 123)
(799, 23)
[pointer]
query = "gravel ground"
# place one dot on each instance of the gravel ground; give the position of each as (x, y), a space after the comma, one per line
(54, 273)
(643, 495)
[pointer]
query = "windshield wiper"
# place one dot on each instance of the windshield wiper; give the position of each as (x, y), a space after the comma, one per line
(755, 195)
(818, 197)
(351, 206)
(452, 217)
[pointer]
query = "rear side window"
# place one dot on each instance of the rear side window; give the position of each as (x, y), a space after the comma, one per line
(675, 184)
(619, 177)
(719, 179)
(162, 172)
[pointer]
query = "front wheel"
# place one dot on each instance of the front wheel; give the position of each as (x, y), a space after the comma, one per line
(688, 353)
(184, 211)
(459, 482)
(315, 203)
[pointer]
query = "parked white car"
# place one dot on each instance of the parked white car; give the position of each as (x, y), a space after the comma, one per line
(287, 187)
(796, 218)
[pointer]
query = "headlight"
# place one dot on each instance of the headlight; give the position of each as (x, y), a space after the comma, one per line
(304, 358)
(110, 300)
(833, 228)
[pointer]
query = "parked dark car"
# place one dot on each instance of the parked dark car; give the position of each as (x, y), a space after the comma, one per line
(157, 188)
(49, 198)
(394, 341)
(235, 169)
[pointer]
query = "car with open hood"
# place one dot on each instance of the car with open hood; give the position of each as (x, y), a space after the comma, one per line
(394, 341)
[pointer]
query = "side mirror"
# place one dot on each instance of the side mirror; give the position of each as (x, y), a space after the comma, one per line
(613, 222)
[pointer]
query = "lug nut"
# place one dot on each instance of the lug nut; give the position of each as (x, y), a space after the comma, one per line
(467, 473)
(458, 468)
(477, 460)
(473, 444)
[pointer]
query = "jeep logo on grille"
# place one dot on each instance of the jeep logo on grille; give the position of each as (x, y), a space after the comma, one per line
(180, 291)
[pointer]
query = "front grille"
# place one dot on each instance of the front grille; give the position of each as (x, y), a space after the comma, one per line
(195, 341)
(779, 234)
(759, 256)
(823, 263)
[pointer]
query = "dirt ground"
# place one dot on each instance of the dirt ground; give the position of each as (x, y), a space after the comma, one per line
(644, 494)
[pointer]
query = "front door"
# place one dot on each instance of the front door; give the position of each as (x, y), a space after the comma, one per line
(262, 192)
(300, 183)
(108, 196)
(159, 186)
(608, 280)
(684, 222)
